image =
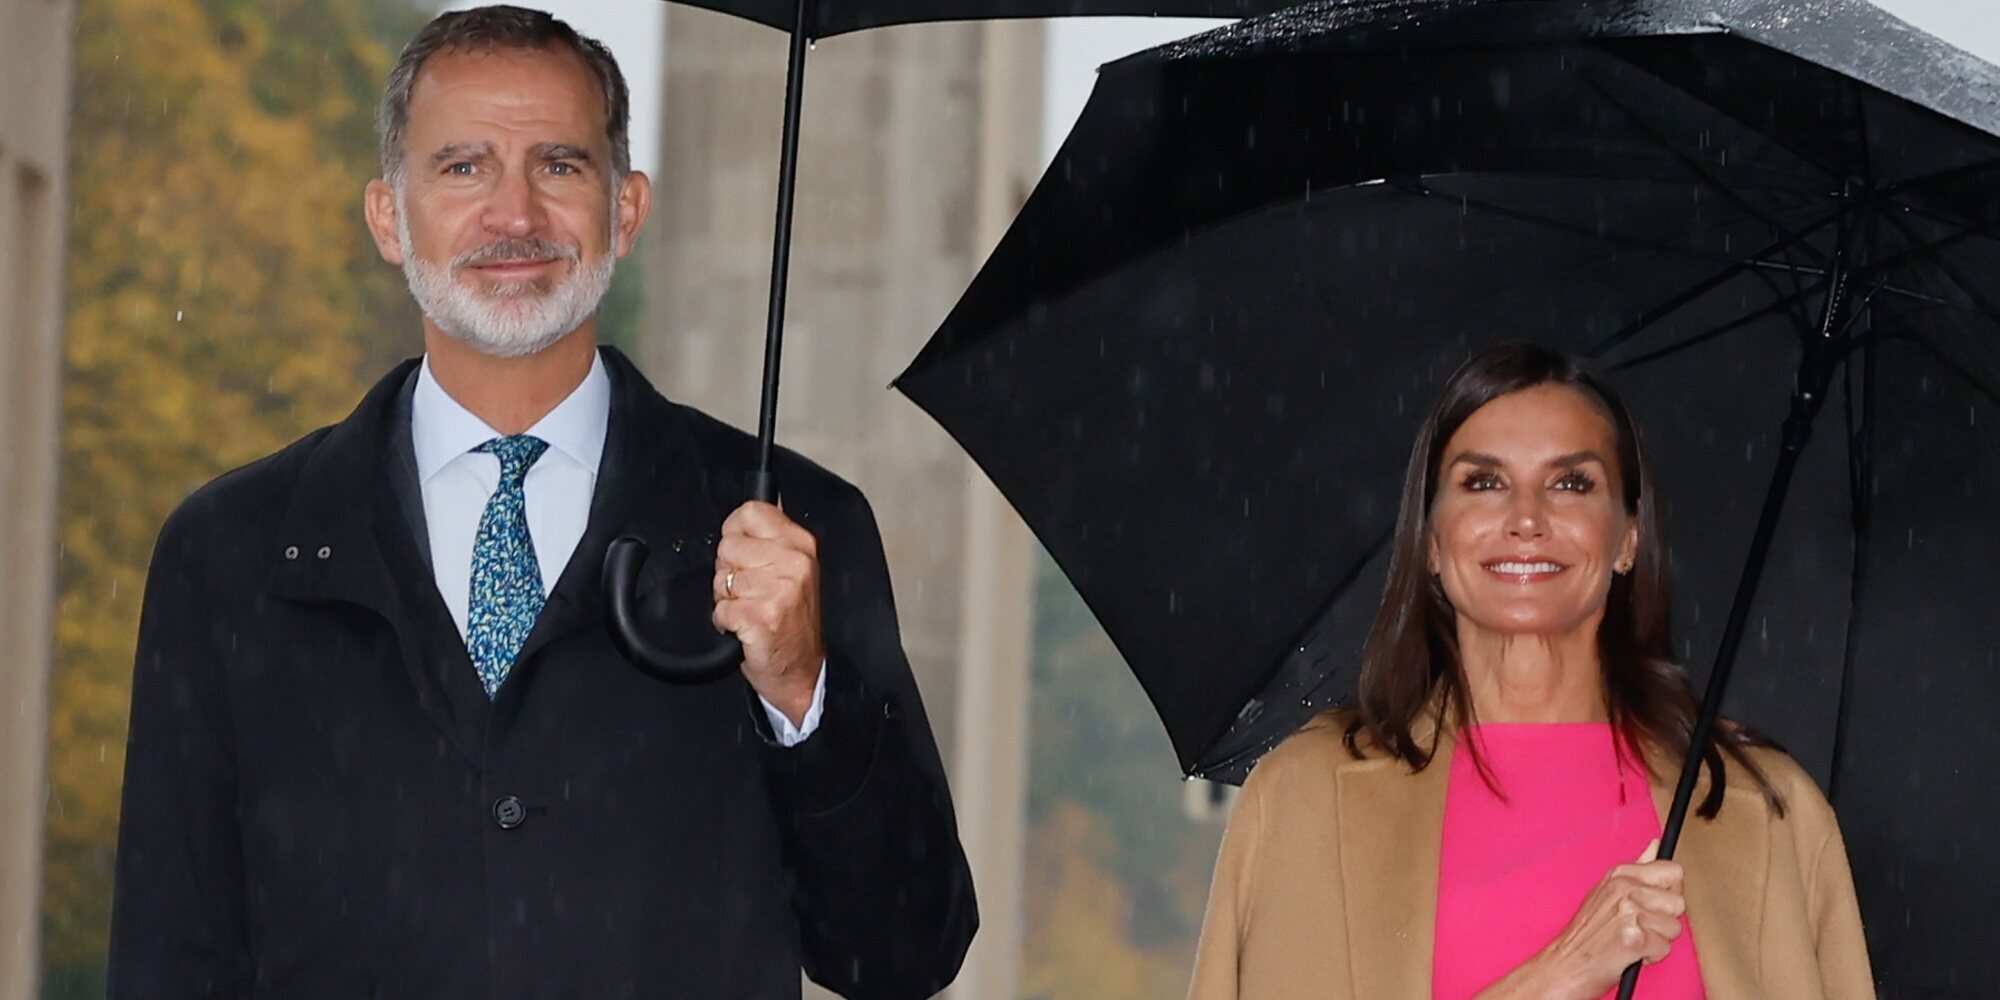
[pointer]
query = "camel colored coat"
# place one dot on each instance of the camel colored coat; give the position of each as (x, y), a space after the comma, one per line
(1326, 887)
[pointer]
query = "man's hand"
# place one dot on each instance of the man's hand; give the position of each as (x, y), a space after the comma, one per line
(767, 593)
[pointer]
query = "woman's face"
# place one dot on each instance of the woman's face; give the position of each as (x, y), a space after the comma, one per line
(1528, 523)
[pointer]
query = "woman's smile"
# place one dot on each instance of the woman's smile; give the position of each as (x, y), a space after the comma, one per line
(1524, 569)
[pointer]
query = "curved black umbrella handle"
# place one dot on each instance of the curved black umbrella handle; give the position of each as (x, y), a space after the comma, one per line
(622, 562)
(625, 556)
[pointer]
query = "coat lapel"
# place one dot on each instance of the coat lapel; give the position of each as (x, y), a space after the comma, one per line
(654, 484)
(345, 540)
(1391, 830)
(1725, 860)
(1391, 833)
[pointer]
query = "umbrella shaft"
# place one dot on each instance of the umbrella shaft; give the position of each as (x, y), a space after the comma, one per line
(762, 486)
(1797, 432)
(1822, 355)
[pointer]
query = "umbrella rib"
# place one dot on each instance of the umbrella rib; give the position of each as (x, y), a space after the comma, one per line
(1980, 303)
(1759, 265)
(1786, 303)
(1977, 385)
(1938, 301)
(1898, 187)
(1695, 167)
(1797, 309)
(1928, 249)
(1418, 187)
(1677, 302)
(1688, 163)
(1930, 213)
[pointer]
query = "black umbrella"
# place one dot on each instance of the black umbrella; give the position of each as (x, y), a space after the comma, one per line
(826, 18)
(808, 20)
(1196, 362)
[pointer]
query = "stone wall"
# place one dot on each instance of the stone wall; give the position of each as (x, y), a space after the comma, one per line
(34, 74)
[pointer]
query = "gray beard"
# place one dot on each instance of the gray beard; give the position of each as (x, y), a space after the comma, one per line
(512, 320)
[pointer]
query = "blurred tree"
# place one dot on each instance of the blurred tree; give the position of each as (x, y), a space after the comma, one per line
(223, 300)
(1105, 813)
(1077, 946)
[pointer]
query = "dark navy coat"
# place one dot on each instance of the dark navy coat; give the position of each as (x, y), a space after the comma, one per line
(320, 801)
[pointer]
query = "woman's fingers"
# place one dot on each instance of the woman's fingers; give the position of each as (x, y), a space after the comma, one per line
(1657, 874)
(1661, 901)
(1649, 922)
(1659, 925)
(1632, 915)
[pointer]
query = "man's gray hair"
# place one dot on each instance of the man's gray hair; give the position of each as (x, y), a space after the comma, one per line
(484, 29)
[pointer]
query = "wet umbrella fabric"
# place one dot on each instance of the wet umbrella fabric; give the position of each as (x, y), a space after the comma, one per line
(837, 17)
(1197, 360)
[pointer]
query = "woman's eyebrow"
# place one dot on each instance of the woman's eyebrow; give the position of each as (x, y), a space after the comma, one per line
(1479, 458)
(1567, 460)
(1575, 458)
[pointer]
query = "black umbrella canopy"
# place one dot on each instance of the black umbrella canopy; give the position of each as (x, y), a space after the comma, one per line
(1196, 362)
(827, 18)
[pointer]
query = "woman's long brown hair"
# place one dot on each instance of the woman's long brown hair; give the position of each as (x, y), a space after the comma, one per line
(1410, 666)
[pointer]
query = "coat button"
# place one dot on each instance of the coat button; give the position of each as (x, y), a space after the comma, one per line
(509, 813)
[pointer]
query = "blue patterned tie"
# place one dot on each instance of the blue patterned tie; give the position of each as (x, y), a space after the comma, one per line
(506, 579)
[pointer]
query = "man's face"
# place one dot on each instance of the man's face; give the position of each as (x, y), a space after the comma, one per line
(506, 221)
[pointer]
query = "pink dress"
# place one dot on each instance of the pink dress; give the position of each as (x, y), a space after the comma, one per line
(1512, 873)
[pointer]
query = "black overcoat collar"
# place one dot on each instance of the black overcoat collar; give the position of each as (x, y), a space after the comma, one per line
(346, 539)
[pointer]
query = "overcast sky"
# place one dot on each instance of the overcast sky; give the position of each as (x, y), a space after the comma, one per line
(636, 32)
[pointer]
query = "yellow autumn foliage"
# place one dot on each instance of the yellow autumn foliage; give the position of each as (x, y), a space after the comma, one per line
(222, 300)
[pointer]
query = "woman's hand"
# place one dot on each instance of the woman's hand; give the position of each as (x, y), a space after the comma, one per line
(1633, 915)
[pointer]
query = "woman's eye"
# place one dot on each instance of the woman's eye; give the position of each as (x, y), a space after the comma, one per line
(1481, 481)
(1576, 482)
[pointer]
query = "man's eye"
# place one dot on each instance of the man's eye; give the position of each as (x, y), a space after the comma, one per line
(561, 169)
(459, 169)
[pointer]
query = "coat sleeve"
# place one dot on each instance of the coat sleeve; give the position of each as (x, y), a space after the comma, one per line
(1836, 916)
(1218, 956)
(880, 882)
(177, 923)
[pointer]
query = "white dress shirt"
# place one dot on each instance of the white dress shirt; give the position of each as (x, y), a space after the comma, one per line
(457, 483)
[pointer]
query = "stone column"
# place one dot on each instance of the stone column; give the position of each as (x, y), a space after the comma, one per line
(34, 72)
(919, 144)
(996, 637)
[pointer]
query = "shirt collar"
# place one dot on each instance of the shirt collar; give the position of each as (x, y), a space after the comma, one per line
(441, 429)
